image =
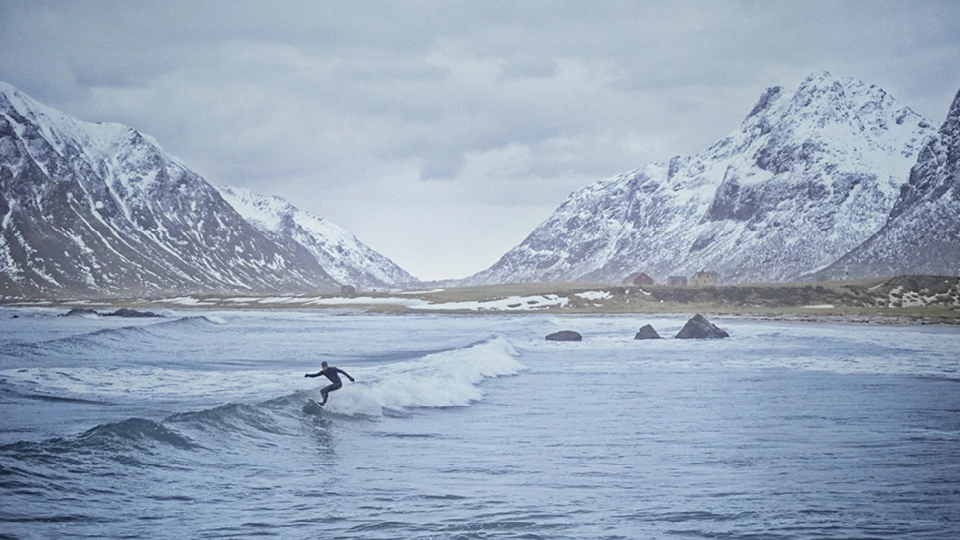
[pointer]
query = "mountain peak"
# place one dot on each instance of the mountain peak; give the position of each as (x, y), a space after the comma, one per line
(339, 252)
(821, 90)
(808, 176)
(818, 79)
(922, 233)
(101, 209)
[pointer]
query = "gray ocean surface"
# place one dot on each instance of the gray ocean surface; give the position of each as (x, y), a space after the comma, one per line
(196, 425)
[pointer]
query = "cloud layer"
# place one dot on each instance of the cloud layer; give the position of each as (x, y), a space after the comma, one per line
(441, 133)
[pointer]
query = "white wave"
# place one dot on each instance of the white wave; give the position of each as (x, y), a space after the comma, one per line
(148, 383)
(215, 319)
(442, 379)
(445, 379)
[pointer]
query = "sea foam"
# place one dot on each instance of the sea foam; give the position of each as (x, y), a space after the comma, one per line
(444, 379)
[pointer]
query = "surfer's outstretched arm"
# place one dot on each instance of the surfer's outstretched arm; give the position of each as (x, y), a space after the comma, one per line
(317, 374)
(345, 373)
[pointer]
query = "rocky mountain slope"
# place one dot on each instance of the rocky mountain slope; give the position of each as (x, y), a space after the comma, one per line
(922, 234)
(339, 252)
(100, 209)
(808, 176)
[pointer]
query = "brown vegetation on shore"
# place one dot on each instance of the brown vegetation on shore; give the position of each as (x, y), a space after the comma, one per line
(929, 299)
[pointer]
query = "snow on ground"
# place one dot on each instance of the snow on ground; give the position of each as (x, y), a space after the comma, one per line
(512, 303)
(595, 295)
(367, 300)
(184, 301)
(282, 300)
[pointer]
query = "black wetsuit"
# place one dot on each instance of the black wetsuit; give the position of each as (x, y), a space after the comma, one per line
(331, 373)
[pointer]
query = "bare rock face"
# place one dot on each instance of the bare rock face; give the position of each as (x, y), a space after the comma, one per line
(922, 234)
(647, 332)
(698, 327)
(565, 335)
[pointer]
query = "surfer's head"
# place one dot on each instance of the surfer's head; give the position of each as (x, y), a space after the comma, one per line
(323, 364)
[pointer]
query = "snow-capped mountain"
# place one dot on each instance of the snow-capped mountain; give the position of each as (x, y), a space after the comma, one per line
(807, 177)
(922, 235)
(100, 209)
(339, 252)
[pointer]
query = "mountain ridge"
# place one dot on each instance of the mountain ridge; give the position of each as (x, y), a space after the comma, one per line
(95, 209)
(807, 177)
(922, 234)
(347, 259)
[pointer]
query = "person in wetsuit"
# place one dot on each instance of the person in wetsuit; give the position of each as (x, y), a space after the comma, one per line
(332, 373)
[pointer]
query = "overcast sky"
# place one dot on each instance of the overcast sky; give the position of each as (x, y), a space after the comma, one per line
(442, 133)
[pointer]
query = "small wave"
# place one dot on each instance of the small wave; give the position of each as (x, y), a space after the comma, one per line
(445, 379)
(133, 435)
(133, 431)
(113, 338)
(56, 399)
(233, 418)
(136, 332)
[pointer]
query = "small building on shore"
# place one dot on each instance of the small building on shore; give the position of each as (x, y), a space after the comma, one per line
(703, 279)
(677, 281)
(640, 278)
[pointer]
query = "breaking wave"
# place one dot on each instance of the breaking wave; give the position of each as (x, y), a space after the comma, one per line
(443, 379)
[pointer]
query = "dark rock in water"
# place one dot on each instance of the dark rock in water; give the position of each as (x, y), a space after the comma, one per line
(565, 335)
(698, 327)
(647, 332)
(126, 312)
(78, 312)
(15, 317)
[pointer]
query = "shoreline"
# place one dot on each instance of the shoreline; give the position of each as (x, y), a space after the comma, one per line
(898, 300)
(872, 318)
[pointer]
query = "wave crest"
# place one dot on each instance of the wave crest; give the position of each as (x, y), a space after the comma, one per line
(444, 379)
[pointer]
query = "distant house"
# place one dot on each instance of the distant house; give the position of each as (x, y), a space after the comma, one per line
(642, 279)
(677, 281)
(703, 279)
(348, 290)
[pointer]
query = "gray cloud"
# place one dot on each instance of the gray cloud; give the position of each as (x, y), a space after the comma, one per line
(421, 125)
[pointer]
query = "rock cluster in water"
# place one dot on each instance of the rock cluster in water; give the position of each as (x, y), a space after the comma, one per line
(127, 312)
(122, 312)
(698, 327)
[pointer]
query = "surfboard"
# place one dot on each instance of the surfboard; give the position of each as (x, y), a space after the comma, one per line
(312, 406)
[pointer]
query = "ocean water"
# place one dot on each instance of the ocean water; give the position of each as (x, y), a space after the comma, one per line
(196, 425)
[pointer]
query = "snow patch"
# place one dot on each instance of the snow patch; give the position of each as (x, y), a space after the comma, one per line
(431, 291)
(512, 303)
(595, 295)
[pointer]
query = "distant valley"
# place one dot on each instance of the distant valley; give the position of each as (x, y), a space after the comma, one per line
(835, 180)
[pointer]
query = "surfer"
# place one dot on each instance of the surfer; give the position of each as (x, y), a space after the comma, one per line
(332, 373)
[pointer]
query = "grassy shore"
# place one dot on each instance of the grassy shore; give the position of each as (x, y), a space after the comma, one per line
(928, 299)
